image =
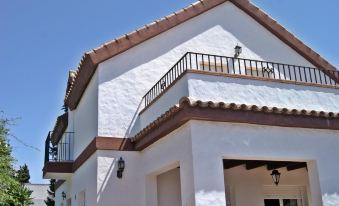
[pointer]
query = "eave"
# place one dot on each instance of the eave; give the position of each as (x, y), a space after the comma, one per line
(234, 113)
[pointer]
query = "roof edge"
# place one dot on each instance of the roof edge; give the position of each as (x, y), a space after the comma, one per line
(189, 109)
(91, 59)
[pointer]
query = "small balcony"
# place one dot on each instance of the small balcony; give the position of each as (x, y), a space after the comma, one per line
(58, 156)
(242, 68)
(207, 77)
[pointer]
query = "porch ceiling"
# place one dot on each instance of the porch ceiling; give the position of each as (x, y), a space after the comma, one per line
(270, 165)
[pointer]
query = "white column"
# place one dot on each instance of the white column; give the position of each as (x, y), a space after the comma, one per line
(315, 199)
(209, 184)
(187, 182)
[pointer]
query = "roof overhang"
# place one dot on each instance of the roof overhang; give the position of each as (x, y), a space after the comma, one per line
(59, 128)
(234, 113)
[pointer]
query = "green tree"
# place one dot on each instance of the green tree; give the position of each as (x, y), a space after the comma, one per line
(12, 193)
(22, 175)
(51, 192)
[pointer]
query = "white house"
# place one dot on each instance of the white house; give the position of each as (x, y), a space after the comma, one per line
(206, 106)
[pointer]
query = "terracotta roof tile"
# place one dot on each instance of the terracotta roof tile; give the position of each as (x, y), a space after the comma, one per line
(59, 128)
(185, 101)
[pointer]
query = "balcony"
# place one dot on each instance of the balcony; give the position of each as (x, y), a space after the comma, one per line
(242, 68)
(58, 156)
(216, 78)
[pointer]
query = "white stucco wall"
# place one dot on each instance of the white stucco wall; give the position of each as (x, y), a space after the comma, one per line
(262, 93)
(65, 187)
(247, 186)
(111, 190)
(242, 91)
(244, 141)
(85, 117)
(138, 185)
(167, 100)
(125, 78)
(85, 180)
(198, 147)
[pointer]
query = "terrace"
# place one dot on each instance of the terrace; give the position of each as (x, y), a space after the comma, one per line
(217, 78)
(240, 67)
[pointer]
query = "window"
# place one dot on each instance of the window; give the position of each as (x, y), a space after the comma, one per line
(282, 202)
(290, 202)
(285, 195)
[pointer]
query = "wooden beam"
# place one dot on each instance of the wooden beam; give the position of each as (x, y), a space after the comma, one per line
(296, 166)
(252, 164)
(270, 165)
(228, 164)
(277, 164)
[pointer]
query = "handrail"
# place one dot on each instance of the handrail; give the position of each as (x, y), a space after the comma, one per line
(61, 151)
(241, 66)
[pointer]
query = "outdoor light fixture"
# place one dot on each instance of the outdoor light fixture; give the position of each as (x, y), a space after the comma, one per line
(63, 194)
(237, 51)
(275, 176)
(121, 167)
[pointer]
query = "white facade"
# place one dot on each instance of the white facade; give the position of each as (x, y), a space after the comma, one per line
(186, 166)
(124, 79)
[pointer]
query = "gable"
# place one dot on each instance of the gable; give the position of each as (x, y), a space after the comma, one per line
(91, 59)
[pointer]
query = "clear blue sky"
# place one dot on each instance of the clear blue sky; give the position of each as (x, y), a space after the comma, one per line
(41, 40)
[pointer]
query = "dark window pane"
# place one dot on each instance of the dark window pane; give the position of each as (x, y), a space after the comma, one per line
(290, 202)
(272, 202)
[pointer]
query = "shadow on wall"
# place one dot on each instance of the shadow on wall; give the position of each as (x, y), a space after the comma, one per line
(106, 179)
(331, 199)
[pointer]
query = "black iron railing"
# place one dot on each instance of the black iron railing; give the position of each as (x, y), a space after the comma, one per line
(62, 151)
(241, 66)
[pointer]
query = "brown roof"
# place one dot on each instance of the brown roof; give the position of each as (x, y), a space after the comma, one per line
(59, 128)
(91, 59)
(189, 109)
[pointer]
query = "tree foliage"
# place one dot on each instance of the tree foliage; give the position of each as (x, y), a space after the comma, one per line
(22, 175)
(12, 192)
(51, 192)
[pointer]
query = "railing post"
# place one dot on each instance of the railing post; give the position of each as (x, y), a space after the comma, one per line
(47, 146)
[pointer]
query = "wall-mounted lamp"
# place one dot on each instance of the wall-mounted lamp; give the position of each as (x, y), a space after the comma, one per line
(237, 51)
(63, 194)
(121, 167)
(276, 176)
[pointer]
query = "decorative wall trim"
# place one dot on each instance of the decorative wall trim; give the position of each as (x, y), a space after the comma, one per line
(103, 143)
(98, 143)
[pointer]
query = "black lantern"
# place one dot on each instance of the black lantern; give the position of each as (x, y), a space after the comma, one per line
(275, 176)
(237, 51)
(63, 194)
(121, 167)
